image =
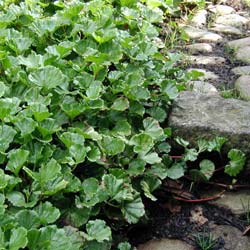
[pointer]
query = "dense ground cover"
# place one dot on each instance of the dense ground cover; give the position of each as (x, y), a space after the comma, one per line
(84, 99)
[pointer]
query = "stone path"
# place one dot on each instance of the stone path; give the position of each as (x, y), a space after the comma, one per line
(219, 48)
(219, 44)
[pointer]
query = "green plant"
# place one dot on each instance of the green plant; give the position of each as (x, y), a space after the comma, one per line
(173, 35)
(247, 3)
(84, 97)
(207, 167)
(84, 94)
(231, 93)
(205, 241)
(246, 208)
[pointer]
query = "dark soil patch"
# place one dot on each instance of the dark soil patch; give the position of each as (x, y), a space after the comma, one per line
(164, 224)
(170, 218)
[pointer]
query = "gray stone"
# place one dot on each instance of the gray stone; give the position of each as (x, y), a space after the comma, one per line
(200, 18)
(206, 60)
(241, 70)
(221, 10)
(242, 85)
(229, 30)
(202, 87)
(235, 44)
(234, 240)
(165, 244)
(237, 202)
(243, 54)
(194, 33)
(234, 20)
(210, 37)
(195, 116)
(199, 48)
(201, 34)
(208, 75)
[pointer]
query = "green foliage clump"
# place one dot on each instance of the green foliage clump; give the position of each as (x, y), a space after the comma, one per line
(205, 241)
(84, 94)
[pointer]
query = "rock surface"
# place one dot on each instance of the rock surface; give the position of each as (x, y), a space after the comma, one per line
(234, 20)
(210, 37)
(243, 54)
(200, 18)
(242, 85)
(202, 87)
(221, 10)
(165, 244)
(241, 70)
(235, 44)
(195, 116)
(199, 48)
(232, 237)
(237, 202)
(226, 29)
(205, 60)
(193, 32)
(202, 34)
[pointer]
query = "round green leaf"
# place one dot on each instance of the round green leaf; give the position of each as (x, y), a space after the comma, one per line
(17, 157)
(207, 168)
(112, 146)
(176, 171)
(133, 210)
(142, 142)
(237, 162)
(48, 77)
(18, 238)
(97, 230)
(47, 213)
(120, 104)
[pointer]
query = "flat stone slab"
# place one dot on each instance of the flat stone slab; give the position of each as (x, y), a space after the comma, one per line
(210, 37)
(243, 54)
(165, 244)
(228, 30)
(195, 116)
(236, 202)
(235, 44)
(201, 34)
(202, 87)
(233, 238)
(193, 32)
(234, 20)
(199, 48)
(242, 85)
(200, 18)
(207, 60)
(241, 70)
(221, 9)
